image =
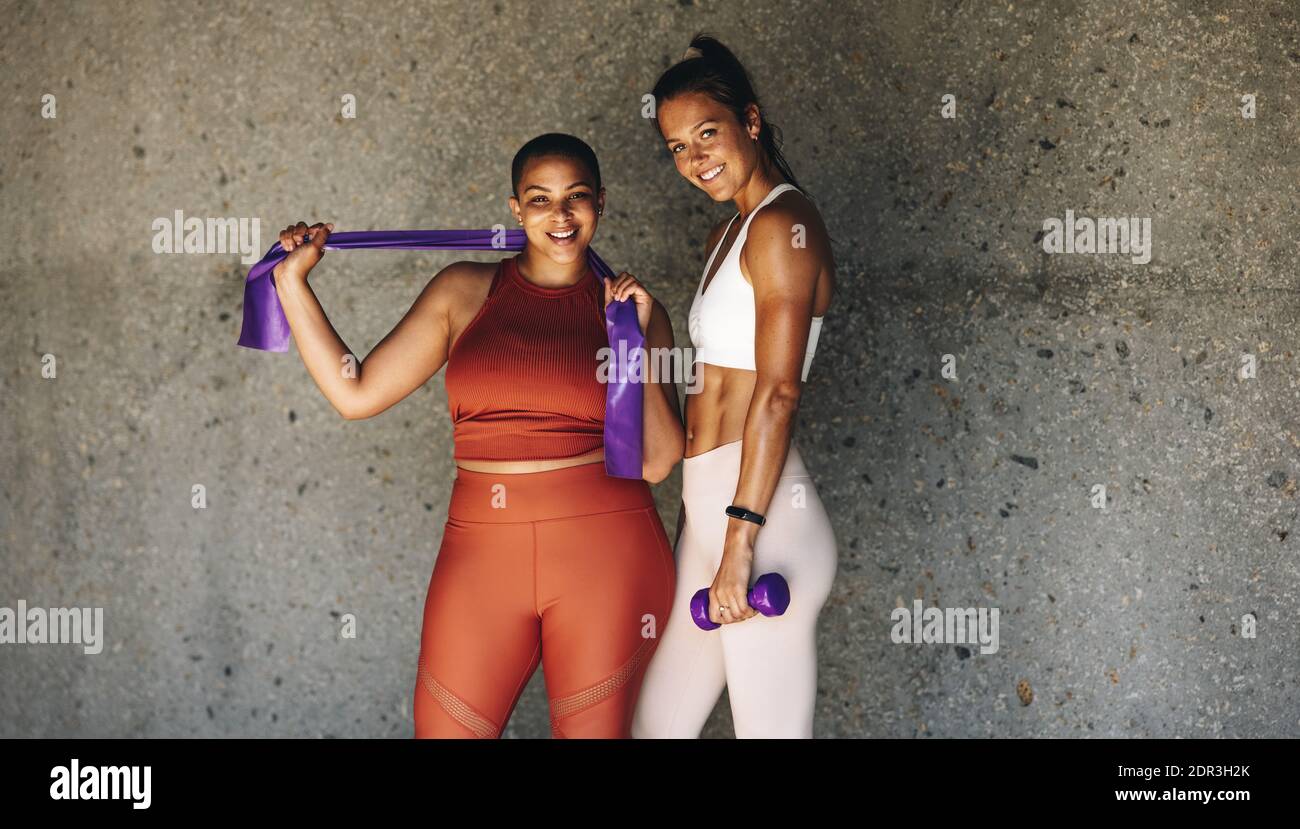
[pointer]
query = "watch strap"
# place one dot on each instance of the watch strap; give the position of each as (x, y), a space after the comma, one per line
(745, 515)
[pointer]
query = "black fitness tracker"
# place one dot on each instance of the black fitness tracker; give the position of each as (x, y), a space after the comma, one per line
(745, 515)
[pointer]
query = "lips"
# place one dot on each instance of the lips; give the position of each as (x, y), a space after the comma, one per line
(563, 237)
(712, 173)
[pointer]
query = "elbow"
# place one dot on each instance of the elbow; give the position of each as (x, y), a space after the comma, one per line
(660, 465)
(782, 399)
(351, 410)
(655, 473)
(355, 402)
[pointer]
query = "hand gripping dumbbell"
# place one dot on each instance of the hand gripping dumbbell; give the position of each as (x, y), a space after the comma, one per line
(770, 596)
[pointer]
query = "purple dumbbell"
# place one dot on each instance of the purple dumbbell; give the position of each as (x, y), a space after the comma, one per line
(770, 596)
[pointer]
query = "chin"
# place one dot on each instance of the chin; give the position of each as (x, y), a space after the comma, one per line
(566, 256)
(721, 191)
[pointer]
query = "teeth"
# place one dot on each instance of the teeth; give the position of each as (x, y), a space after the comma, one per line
(709, 175)
(565, 235)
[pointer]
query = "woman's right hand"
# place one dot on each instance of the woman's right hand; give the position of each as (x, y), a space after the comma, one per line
(302, 256)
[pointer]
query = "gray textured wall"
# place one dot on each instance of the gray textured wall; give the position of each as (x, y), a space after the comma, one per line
(1123, 621)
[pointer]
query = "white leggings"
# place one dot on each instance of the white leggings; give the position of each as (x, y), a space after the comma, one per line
(768, 665)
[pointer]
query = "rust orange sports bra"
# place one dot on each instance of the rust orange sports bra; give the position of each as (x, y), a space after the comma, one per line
(522, 377)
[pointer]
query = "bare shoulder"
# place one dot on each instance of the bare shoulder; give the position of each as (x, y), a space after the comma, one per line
(465, 276)
(790, 213)
(462, 284)
(788, 242)
(462, 289)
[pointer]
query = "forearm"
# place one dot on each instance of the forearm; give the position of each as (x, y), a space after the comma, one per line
(769, 425)
(322, 349)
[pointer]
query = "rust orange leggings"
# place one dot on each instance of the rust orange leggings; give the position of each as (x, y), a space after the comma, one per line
(568, 567)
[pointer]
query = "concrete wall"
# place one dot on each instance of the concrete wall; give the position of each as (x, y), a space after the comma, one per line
(1071, 370)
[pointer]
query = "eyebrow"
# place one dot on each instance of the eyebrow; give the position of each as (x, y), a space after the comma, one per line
(692, 129)
(582, 182)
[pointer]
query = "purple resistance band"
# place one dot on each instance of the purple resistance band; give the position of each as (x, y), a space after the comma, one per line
(266, 328)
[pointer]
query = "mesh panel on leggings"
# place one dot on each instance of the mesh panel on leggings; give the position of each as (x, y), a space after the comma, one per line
(459, 710)
(573, 703)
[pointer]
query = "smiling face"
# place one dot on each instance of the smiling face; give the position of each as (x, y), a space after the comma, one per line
(558, 203)
(711, 149)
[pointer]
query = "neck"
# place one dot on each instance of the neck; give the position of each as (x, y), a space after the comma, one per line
(546, 272)
(761, 182)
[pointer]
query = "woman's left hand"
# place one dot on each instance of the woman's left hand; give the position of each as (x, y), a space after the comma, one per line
(730, 588)
(625, 285)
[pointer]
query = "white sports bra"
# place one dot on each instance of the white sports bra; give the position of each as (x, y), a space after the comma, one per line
(721, 320)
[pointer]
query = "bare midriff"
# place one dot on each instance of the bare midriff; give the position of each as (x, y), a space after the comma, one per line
(516, 467)
(715, 415)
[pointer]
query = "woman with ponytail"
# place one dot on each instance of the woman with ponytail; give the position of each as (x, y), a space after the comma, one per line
(749, 505)
(540, 544)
